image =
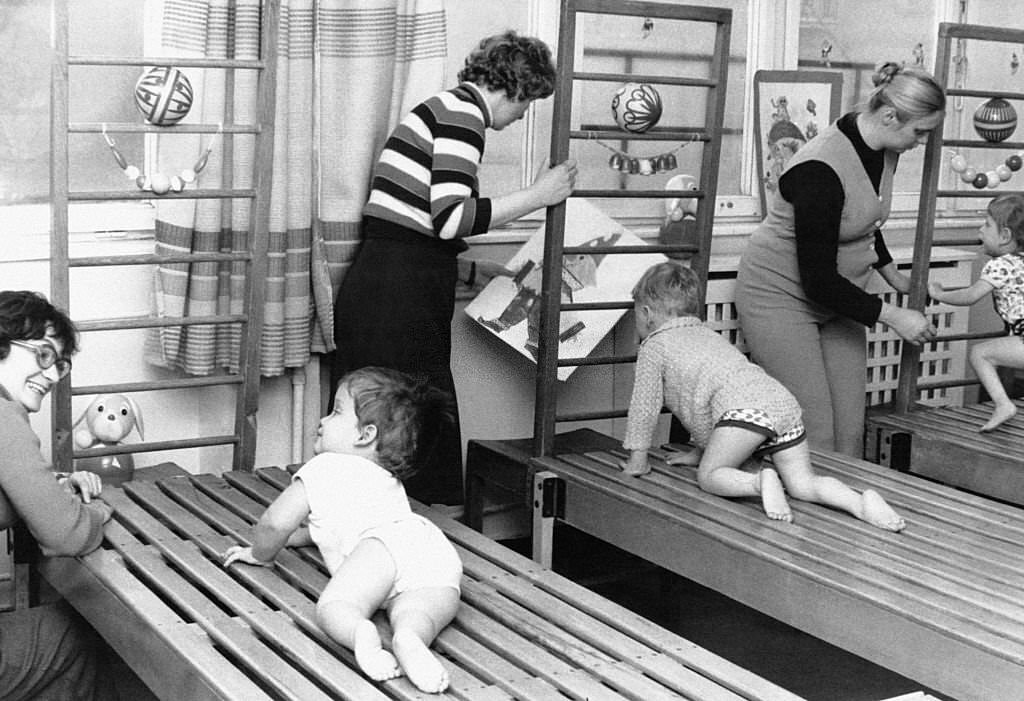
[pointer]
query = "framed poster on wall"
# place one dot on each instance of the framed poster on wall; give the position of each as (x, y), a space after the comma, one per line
(790, 109)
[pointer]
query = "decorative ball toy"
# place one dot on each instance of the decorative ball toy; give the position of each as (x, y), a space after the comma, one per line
(995, 119)
(636, 107)
(991, 178)
(164, 95)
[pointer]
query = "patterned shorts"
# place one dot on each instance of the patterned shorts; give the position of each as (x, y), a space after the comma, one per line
(758, 421)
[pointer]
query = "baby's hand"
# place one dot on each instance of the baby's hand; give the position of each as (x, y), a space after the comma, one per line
(935, 290)
(85, 484)
(690, 456)
(242, 553)
(636, 465)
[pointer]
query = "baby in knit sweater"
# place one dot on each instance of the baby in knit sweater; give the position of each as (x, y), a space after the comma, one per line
(734, 410)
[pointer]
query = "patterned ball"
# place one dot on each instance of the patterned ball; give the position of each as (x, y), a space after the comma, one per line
(995, 119)
(163, 95)
(636, 107)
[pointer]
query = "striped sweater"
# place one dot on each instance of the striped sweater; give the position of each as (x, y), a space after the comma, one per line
(426, 177)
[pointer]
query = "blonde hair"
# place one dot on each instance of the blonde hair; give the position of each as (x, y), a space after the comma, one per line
(670, 288)
(1008, 211)
(911, 92)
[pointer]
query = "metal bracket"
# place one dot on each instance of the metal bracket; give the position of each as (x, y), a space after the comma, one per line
(552, 497)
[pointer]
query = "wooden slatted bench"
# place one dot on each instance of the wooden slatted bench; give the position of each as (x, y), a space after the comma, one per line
(941, 603)
(943, 443)
(193, 630)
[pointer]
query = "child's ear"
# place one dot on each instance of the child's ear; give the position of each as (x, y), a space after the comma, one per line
(1005, 235)
(367, 434)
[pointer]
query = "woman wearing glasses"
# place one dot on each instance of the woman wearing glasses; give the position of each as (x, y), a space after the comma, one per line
(47, 653)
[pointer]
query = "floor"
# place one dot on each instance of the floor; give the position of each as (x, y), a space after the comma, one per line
(794, 660)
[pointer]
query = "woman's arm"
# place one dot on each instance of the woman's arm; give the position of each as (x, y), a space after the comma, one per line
(551, 186)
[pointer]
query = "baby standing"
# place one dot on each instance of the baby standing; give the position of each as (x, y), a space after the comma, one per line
(1002, 277)
(379, 553)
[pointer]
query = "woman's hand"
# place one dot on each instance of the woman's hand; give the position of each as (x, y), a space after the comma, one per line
(86, 484)
(554, 184)
(912, 326)
(242, 553)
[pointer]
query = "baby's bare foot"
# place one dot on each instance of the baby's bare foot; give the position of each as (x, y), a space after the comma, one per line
(1000, 415)
(376, 662)
(773, 496)
(876, 511)
(419, 664)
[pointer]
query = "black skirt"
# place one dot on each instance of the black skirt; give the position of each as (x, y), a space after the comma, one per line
(394, 309)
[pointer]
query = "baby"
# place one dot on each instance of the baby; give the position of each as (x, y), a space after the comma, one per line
(732, 408)
(379, 553)
(1002, 278)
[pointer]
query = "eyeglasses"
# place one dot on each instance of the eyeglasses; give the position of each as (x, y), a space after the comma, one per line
(47, 357)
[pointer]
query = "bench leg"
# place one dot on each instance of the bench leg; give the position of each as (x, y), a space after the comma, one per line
(548, 505)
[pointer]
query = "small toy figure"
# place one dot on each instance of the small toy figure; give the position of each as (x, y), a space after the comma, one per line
(679, 228)
(107, 421)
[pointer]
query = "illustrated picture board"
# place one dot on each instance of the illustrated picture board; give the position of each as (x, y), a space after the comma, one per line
(790, 109)
(510, 307)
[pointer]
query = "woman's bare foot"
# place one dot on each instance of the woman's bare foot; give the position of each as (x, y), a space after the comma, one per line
(773, 496)
(876, 511)
(1000, 415)
(376, 662)
(420, 665)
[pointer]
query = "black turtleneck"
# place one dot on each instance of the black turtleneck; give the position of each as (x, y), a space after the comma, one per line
(817, 196)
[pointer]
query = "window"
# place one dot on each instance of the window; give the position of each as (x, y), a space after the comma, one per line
(96, 94)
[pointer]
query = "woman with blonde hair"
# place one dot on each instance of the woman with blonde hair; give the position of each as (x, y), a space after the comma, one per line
(801, 292)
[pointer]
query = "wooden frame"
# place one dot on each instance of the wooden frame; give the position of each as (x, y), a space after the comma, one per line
(790, 108)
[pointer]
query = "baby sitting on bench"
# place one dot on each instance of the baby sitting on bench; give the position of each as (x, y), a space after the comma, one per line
(379, 553)
(732, 408)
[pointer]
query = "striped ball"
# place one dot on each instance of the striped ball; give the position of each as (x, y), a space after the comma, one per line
(163, 95)
(995, 120)
(636, 107)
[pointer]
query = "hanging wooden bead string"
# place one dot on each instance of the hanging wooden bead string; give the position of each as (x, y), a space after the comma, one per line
(158, 183)
(986, 178)
(631, 165)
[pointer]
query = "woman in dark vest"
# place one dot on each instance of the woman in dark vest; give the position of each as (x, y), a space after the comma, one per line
(801, 293)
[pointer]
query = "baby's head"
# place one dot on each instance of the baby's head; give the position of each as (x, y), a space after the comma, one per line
(388, 413)
(1007, 212)
(666, 290)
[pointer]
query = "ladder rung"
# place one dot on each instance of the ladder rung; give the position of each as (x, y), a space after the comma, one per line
(957, 30)
(151, 322)
(158, 259)
(963, 336)
(957, 242)
(159, 385)
(986, 193)
(592, 415)
(599, 360)
(667, 134)
(659, 10)
(945, 384)
(979, 143)
(594, 306)
(146, 128)
(176, 61)
(153, 446)
(646, 78)
(966, 92)
(209, 194)
(638, 194)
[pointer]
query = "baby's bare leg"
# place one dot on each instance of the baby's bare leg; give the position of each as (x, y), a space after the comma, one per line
(794, 466)
(417, 616)
(986, 359)
(719, 472)
(355, 591)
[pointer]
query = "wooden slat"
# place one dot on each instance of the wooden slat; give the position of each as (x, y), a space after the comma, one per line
(949, 587)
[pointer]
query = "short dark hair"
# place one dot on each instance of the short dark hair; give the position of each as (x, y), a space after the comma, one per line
(1007, 210)
(521, 66)
(409, 414)
(27, 315)
(669, 287)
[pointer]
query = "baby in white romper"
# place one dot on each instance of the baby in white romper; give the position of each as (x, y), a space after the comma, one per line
(379, 553)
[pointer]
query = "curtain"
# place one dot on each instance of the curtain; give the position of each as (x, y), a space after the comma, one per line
(347, 71)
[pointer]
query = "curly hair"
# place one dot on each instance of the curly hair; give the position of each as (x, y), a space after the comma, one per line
(521, 66)
(409, 415)
(1007, 211)
(669, 287)
(912, 92)
(27, 315)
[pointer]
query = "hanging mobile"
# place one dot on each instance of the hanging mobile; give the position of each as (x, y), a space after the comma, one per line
(158, 183)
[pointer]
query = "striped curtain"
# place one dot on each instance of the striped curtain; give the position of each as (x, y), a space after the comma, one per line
(347, 71)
